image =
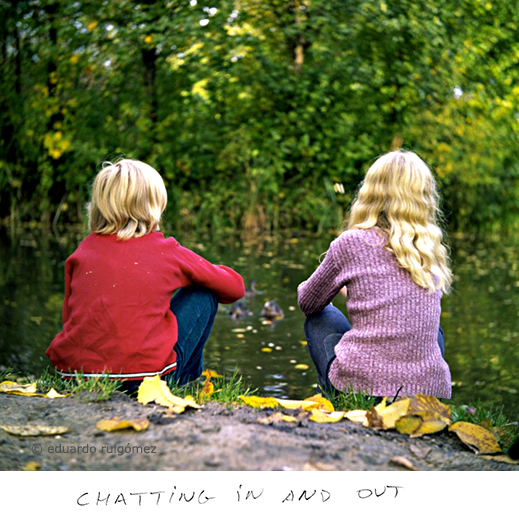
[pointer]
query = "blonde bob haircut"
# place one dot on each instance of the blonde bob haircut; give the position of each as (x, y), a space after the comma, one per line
(128, 199)
(399, 196)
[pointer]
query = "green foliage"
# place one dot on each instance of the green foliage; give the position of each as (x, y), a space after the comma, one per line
(252, 110)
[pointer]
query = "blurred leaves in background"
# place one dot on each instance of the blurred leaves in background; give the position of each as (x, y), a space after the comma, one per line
(252, 110)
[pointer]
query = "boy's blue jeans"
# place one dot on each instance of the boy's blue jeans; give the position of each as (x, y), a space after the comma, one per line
(195, 309)
(323, 331)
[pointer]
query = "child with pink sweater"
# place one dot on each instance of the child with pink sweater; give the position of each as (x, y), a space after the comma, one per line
(393, 268)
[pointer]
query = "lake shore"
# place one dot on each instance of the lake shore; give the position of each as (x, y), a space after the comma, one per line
(214, 438)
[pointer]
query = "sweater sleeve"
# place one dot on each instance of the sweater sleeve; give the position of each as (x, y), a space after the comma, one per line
(321, 287)
(224, 281)
(68, 278)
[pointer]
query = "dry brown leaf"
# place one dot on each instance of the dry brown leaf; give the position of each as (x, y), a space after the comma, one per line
(208, 388)
(500, 458)
(34, 430)
(476, 437)
(153, 389)
(420, 451)
(276, 419)
(427, 403)
(402, 461)
(116, 424)
(318, 466)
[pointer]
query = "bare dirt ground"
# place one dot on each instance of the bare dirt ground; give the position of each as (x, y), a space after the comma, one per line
(214, 438)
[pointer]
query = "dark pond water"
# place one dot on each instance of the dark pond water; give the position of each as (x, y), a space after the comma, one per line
(480, 317)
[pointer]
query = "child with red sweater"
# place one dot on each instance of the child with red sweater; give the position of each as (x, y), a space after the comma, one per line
(121, 315)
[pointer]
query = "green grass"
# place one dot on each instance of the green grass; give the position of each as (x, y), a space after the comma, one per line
(91, 389)
(350, 400)
(6, 374)
(226, 389)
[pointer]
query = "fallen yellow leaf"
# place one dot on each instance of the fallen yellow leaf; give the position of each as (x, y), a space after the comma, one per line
(322, 417)
(153, 389)
(358, 416)
(324, 404)
(258, 401)
(32, 465)
(17, 389)
(301, 366)
(429, 403)
(12, 388)
(476, 437)
(390, 414)
(296, 404)
(116, 423)
(425, 422)
(380, 407)
(211, 373)
(54, 394)
(34, 430)
(208, 388)
(408, 424)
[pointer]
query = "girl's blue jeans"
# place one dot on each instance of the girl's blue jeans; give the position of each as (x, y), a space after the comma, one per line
(323, 331)
(195, 309)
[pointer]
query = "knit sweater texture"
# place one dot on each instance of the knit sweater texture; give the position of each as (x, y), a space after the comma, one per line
(393, 342)
(116, 311)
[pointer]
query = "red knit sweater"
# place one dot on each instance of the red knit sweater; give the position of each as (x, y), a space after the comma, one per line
(116, 316)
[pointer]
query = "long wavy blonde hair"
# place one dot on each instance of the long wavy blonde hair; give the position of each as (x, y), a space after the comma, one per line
(399, 196)
(128, 199)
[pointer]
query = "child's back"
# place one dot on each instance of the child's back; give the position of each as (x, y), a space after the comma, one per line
(116, 312)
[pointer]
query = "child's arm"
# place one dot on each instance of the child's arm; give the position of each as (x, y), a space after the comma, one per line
(68, 279)
(224, 281)
(321, 287)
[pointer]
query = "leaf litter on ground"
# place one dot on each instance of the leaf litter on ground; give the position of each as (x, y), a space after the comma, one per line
(415, 416)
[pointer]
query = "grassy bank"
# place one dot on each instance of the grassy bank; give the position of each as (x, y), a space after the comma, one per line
(227, 391)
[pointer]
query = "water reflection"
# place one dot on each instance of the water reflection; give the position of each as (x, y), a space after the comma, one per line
(480, 317)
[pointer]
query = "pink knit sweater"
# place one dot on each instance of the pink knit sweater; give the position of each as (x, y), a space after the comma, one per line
(393, 339)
